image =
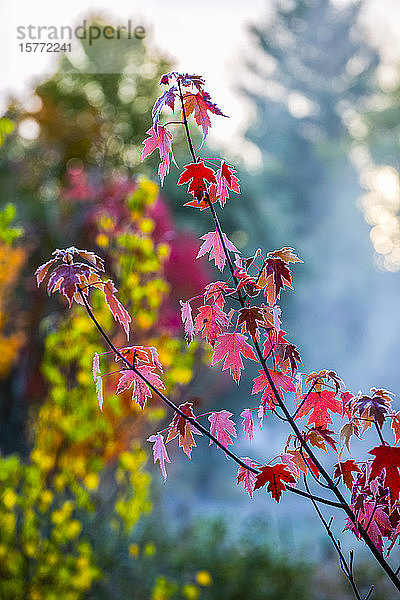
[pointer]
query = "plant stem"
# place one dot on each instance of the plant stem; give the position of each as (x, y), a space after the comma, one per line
(331, 484)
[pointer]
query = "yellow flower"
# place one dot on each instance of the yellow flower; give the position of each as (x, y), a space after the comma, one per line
(203, 578)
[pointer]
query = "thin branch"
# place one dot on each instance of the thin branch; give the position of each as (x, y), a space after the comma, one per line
(347, 569)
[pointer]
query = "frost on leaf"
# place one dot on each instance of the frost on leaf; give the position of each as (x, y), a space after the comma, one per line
(222, 427)
(230, 347)
(200, 105)
(248, 425)
(141, 391)
(275, 478)
(247, 477)
(159, 452)
(187, 319)
(197, 174)
(213, 245)
(182, 428)
(159, 139)
(226, 180)
(210, 320)
(387, 458)
(319, 403)
(119, 312)
(99, 390)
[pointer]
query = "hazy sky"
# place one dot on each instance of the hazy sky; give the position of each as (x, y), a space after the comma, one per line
(205, 37)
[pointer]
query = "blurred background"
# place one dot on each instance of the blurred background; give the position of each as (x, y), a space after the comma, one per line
(312, 91)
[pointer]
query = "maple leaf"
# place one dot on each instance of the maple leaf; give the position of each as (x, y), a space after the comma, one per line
(226, 180)
(68, 279)
(186, 313)
(374, 518)
(141, 390)
(148, 355)
(273, 278)
(200, 105)
(99, 391)
(345, 434)
(318, 403)
(251, 317)
(197, 174)
(317, 436)
(159, 452)
(214, 292)
(119, 312)
(388, 458)
(184, 78)
(213, 245)
(292, 355)
(285, 254)
(375, 407)
(167, 98)
(275, 477)
(248, 425)
(222, 427)
(301, 460)
(182, 428)
(96, 366)
(247, 477)
(159, 139)
(345, 470)
(395, 425)
(282, 383)
(229, 347)
(212, 318)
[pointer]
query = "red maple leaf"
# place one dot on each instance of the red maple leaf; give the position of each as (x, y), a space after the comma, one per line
(214, 292)
(276, 477)
(198, 174)
(247, 477)
(226, 180)
(159, 452)
(141, 390)
(275, 275)
(281, 381)
(187, 320)
(248, 425)
(200, 105)
(160, 138)
(213, 245)
(118, 310)
(167, 98)
(318, 403)
(212, 318)
(222, 427)
(182, 428)
(388, 458)
(229, 347)
(345, 470)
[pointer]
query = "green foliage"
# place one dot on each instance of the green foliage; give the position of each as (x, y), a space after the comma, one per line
(6, 127)
(9, 234)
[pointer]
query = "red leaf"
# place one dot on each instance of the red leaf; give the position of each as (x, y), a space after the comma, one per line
(388, 458)
(159, 452)
(198, 174)
(167, 98)
(229, 348)
(186, 313)
(212, 318)
(274, 277)
(214, 292)
(226, 180)
(345, 470)
(222, 427)
(119, 312)
(182, 428)
(282, 383)
(248, 425)
(395, 425)
(200, 104)
(160, 138)
(141, 390)
(276, 477)
(318, 403)
(247, 477)
(214, 246)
